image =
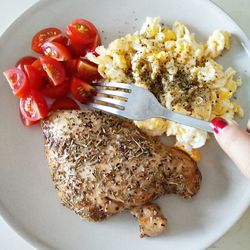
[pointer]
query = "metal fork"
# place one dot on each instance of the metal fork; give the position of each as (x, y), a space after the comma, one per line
(133, 102)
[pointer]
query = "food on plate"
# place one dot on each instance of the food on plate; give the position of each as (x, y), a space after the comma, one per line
(38, 65)
(150, 219)
(102, 165)
(48, 89)
(88, 70)
(181, 72)
(17, 80)
(34, 76)
(33, 106)
(81, 90)
(59, 71)
(54, 69)
(81, 31)
(56, 50)
(26, 122)
(26, 60)
(64, 103)
(43, 36)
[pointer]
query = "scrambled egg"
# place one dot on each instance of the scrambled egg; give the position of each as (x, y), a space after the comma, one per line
(181, 72)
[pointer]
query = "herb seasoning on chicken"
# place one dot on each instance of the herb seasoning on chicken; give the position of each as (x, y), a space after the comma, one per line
(102, 165)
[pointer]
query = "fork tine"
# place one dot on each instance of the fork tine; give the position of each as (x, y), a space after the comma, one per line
(108, 109)
(115, 85)
(109, 100)
(113, 92)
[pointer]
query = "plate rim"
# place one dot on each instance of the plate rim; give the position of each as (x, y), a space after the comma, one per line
(32, 240)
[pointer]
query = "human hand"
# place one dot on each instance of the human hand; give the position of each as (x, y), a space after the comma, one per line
(234, 141)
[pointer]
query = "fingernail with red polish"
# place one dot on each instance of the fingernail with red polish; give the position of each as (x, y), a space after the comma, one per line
(218, 123)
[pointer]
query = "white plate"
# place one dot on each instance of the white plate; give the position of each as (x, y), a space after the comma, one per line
(28, 200)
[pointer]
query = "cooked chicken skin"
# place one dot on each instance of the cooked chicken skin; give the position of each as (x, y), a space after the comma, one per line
(150, 218)
(102, 164)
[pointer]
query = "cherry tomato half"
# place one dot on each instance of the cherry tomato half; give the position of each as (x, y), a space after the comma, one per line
(88, 71)
(34, 76)
(81, 31)
(42, 36)
(56, 51)
(25, 121)
(26, 60)
(64, 103)
(71, 66)
(97, 42)
(18, 81)
(77, 50)
(54, 70)
(81, 90)
(59, 39)
(38, 65)
(34, 106)
(50, 90)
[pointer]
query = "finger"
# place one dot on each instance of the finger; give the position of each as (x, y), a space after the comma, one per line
(248, 126)
(234, 141)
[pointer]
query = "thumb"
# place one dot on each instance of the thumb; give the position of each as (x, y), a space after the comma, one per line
(234, 141)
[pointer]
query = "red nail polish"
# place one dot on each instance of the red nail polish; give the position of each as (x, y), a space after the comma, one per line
(218, 123)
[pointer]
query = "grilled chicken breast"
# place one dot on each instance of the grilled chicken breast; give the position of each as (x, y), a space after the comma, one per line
(101, 165)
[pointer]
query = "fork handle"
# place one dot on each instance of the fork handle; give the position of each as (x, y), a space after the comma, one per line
(185, 120)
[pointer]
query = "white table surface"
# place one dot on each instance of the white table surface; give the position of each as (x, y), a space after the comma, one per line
(238, 237)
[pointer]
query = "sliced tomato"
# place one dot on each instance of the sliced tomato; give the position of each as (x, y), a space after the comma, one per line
(25, 121)
(18, 81)
(38, 65)
(56, 51)
(54, 70)
(81, 31)
(59, 39)
(42, 36)
(34, 106)
(50, 90)
(77, 50)
(71, 66)
(87, 70)
(34, 77)
(97, 42)
(26, 60)
(81, 90)
(64, 103)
